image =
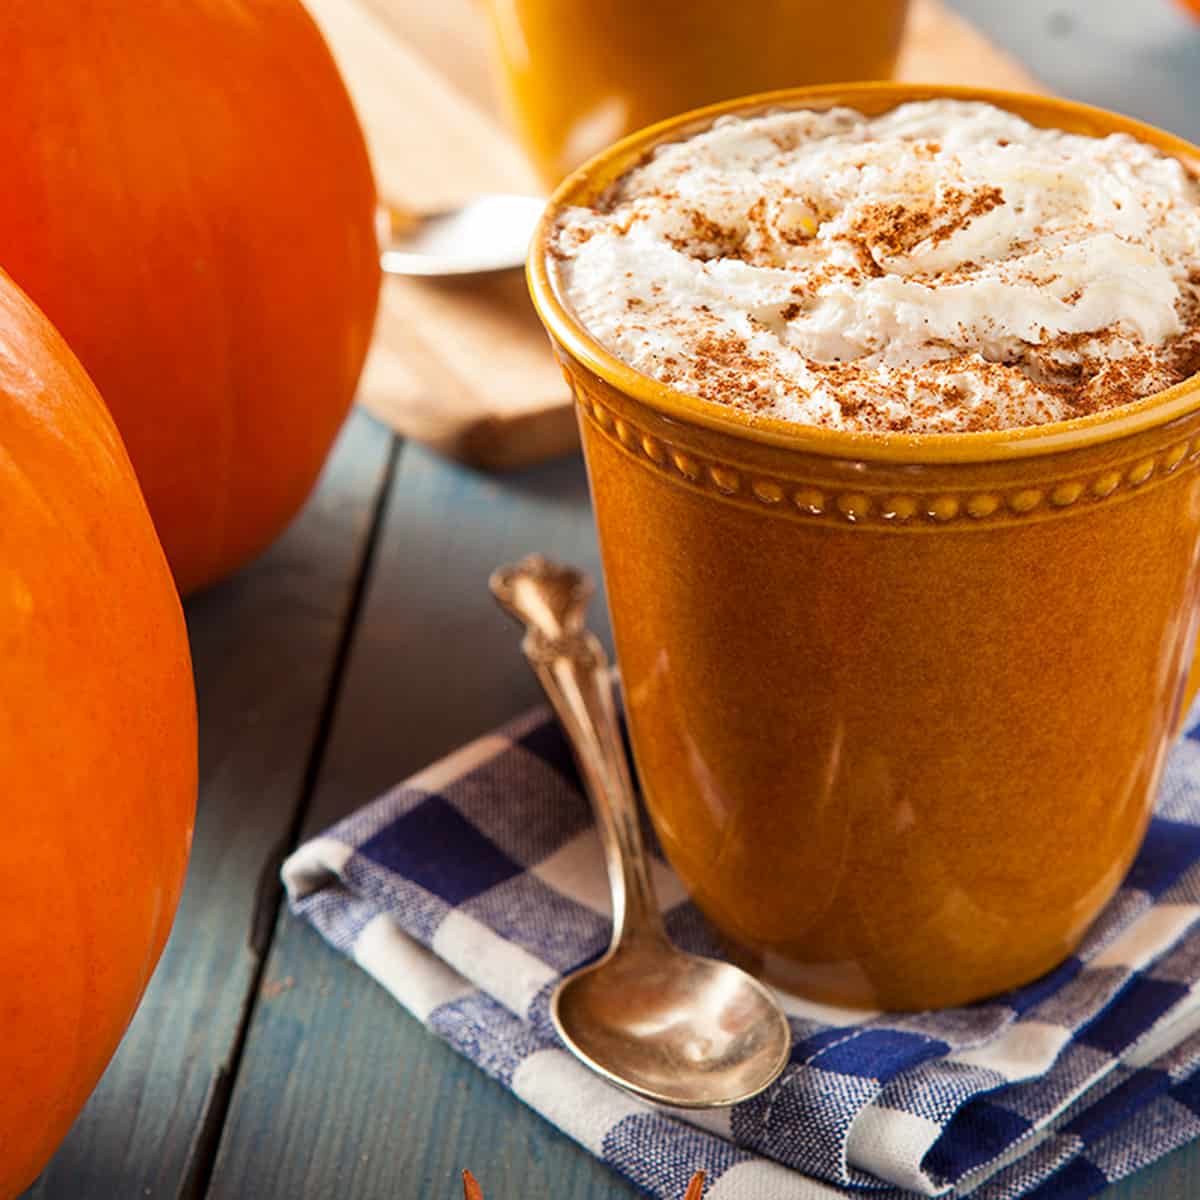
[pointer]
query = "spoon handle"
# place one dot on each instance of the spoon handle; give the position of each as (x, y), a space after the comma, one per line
(574, 674)
(572, 668)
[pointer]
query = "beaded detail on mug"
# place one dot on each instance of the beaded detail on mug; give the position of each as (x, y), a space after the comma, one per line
(861, 506)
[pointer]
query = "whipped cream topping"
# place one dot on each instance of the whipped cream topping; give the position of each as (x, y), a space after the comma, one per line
(943, 267)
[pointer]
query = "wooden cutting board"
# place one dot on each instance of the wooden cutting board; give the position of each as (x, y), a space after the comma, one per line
(464, 366)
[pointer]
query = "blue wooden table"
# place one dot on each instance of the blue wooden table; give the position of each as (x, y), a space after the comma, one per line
(264, 1067)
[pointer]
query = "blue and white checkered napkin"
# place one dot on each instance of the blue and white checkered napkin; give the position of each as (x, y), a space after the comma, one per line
(470, 889)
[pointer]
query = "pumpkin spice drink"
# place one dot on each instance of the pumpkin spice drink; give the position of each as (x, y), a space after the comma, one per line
(888, 400)
(579, 74)
(945, 266)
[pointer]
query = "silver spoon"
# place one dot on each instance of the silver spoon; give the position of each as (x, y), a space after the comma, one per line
(488, 233)
(673, 1027)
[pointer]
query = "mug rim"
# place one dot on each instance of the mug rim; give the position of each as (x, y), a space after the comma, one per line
(587, 181)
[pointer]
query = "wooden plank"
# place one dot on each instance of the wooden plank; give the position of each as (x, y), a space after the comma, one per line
(340, 1092)
(264, 646)
(434, 661)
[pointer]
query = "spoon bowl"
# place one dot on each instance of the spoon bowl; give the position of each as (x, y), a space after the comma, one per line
(489, 233)
(672, 1027)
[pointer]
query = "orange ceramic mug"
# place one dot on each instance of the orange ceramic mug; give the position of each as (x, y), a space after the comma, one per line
(899, 703)
(578, 74)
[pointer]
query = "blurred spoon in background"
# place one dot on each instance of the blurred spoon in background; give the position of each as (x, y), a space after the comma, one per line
(489, 233)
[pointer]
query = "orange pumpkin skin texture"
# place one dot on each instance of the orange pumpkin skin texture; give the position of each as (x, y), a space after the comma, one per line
(188, 198)
(97, 740)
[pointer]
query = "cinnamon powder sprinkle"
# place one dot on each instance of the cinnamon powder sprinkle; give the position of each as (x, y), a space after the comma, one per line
(894, 229)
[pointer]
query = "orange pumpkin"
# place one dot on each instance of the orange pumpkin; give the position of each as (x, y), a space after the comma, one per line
(187, 196)
(97, 740)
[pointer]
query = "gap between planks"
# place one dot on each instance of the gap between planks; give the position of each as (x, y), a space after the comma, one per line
(269, 893)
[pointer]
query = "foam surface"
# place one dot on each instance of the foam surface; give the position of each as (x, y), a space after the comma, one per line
(944, 267)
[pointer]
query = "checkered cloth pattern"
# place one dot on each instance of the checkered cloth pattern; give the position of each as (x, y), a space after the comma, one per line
(470, 890)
